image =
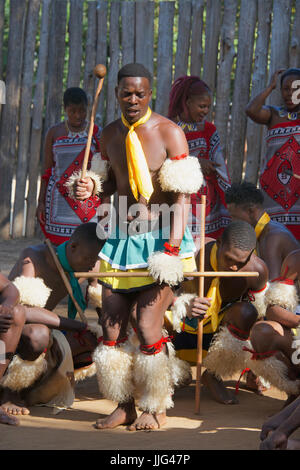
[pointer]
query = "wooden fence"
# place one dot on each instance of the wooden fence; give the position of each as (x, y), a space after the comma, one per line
(49, 45)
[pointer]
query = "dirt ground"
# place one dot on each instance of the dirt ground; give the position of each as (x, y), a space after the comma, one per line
(218, 427)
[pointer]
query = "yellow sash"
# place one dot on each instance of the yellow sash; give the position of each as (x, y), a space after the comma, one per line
(138, 171)
(262, 222)
(214, 295)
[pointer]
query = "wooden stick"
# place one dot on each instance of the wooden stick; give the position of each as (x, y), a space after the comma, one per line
(66, 280)
(100, 72)
(87, 275)
(201, 294)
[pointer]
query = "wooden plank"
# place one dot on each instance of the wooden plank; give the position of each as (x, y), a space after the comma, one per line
(128, 32)
(212, 32)
(227, 54)
(183, 38)
(254, 131)
(37, 119)
(196, 39)
(164, 56)
(9, 115)
(75, 43)
(90, 54)
(114, 57)
(25, 116)
(101, 56)
(295, 39)
(2, 12)
(248, 14)
(56, 61)
(144, 33)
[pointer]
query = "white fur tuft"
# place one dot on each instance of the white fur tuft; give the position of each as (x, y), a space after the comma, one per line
(22, 374)
(33, 291)
(84, 372)
(225, 356)
(258, 300)
(181, 176)
(95, 295)
(99, 166)
(165, 268)
(283, 295)
(153, 379)
(114, 372)
(77, 175)
(181, 309)
(180, 370)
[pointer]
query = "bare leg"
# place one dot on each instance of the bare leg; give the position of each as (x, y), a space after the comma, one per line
(11, 339)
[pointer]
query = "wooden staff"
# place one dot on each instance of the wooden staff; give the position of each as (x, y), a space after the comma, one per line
(87, 275)
(100, 72)
(65, 280)
(201, 294)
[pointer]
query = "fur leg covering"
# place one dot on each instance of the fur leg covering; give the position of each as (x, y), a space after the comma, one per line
(258, 299)
(225, 356)
(33, 291)
(282, 294)
(165, 268)
(22, 374)
(183, 176)
(153, 379)
(275, 372)
(114, 371)
(181, 372)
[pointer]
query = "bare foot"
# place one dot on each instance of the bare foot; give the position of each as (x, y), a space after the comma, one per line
(148, 422)
(13, 404)
(5, 418)
(254, 384)
(218, 389)
(123, 415)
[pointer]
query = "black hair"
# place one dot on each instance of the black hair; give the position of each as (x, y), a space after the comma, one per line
(87, 233)
(134, 70)
(244, 194)
(288, 72)
(75, 95)
(239, 234)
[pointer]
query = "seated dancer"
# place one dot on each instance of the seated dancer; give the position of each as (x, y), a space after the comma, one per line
(190, 102)
(154, 176)
(245, 202)
(12, 318)
(49, 357)
(274, 342)
(230, 309)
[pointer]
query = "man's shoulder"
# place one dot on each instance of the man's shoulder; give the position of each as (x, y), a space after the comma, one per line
(256, 264)
(279, 234)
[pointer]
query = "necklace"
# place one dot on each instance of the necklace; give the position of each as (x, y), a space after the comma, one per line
(292, 116)
(81, 133)
(190, 126)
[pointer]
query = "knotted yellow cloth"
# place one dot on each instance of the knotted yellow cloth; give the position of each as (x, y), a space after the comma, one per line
(261, 223)
(138, 171)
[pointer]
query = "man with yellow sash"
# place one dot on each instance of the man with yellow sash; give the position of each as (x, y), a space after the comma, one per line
(227, 310)
(274, 241)
(149, 167)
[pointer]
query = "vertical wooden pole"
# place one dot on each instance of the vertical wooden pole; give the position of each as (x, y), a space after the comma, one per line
(201, 294)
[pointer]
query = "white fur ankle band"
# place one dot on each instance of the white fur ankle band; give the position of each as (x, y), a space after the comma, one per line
(33, 291)
(22, 374)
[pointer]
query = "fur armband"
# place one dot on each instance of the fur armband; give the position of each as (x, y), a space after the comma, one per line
(165, 268)
(283, 294)
(95, 295)
(180, 309)
(181, 176)
(33, 291)
(77, 175)
(257, 298)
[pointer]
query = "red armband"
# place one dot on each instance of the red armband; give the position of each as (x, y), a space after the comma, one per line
(171, 249)
(179, 157)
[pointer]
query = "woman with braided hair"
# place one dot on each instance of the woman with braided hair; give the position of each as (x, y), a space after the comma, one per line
(190, 101)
